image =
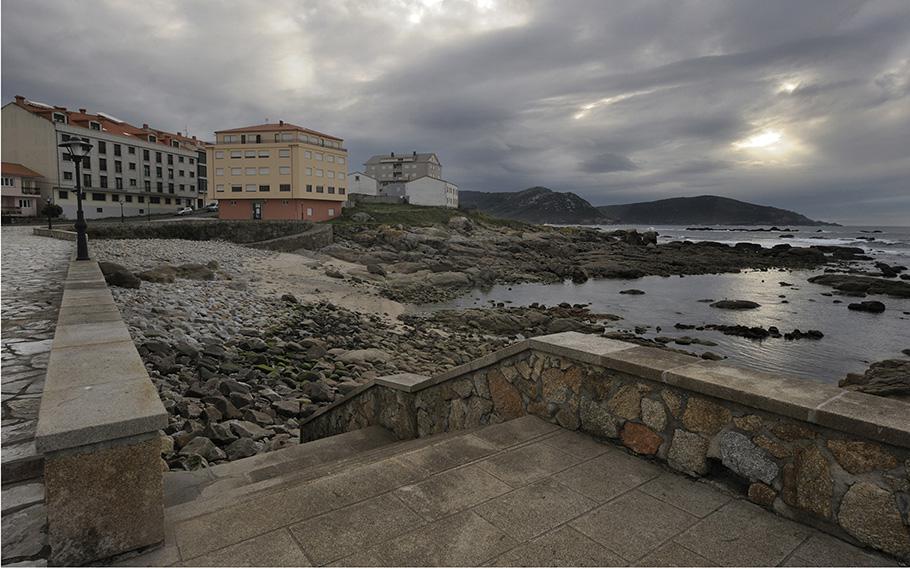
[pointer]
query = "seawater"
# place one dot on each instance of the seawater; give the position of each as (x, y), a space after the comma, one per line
(852, 341)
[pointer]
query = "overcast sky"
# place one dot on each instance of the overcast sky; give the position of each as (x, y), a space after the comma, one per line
(798, 104)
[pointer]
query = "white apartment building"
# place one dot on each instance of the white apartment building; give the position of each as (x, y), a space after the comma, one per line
(359, 182)
(130, 170)
(427, 191)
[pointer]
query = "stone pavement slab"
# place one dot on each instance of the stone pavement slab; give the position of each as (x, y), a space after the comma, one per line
(452, 491)
(743, 534)
(825, 550)
(532, 510)
(343, 532)
(527, 464)
(672, 554)
(693, 497)
(276, 548)
(608, 475)
(564, 546)
(634, 524)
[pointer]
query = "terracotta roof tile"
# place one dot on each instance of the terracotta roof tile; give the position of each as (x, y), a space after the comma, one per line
(278, 127)
(14, 169)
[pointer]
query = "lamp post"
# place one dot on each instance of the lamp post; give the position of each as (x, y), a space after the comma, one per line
(50, 225)
(77, 149)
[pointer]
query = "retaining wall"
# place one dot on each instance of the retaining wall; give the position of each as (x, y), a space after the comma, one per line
(98, 428)
(316, 237)
(241, 232)
(838, 460)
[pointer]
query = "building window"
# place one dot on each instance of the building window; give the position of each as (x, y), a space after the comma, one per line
(219, 187)
(236, 171)
(319, 189)
(284, 187)
(87, 180)
(251, 171)
(251, 187)
(263, 171)
(180, 159)
(147, 170)
(309, 171)
(286, 137)
(102, 181)
(319, 173)
(99, 209)
(181, 173)
(102, 164)
(158, 157)
(284, 170)
(118, 167)
(117, 149)
(330, 174)
(265, 188)
(119, 183)
(160, 187)
(115, 198)
(132, 183)
(167, 200)
(331, 189)
(236, 154)
(170, 159)
(99, 197)
(309, 188)
(148, 185)
(308, 155)
(131, 150)
(340, 160)
(158, 171)
(236, 188)
(249, 154)
(63, 194)
(192, 161)
(219, 154)
(318, 156)
(142, 200)
(68, 176)
(284, 153)
(182, 187)
(170, 188)
(145, 155)
(175, 144)
(331, 212)
(329, 158)
(132, 166)
(264, 154)
(170, 173)
(341, 190)
(60, 117)
(102, 147)
(129, 198)
(219, 171)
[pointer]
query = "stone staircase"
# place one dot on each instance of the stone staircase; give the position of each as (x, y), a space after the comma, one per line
(523, 492)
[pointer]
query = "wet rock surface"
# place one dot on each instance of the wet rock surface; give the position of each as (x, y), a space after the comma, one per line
(884, 378)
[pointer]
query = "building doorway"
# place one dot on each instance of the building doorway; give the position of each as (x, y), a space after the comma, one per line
(257, 210)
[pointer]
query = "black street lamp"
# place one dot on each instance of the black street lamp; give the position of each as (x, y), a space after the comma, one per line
(50, 225)
(77, 149)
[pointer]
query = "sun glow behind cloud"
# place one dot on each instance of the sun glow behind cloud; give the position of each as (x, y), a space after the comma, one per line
(764, 139)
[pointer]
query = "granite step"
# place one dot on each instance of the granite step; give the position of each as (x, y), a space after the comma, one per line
(21, 462)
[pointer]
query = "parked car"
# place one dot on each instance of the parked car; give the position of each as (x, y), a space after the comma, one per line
(212, 207)
(185, 211)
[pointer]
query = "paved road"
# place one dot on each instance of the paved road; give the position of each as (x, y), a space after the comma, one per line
(32, 272)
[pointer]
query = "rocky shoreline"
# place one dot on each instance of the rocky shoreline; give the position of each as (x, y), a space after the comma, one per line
(240, 361)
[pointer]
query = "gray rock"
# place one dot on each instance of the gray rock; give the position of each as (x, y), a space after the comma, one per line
(290, 408)
(364, 355)
(868, 513)
(245, 429)
(653, 414)
(596, 420)
(242, 448)
(22, 495)
(346, 387)
(739, 454)
(735, 305)
(203, 447)
(25, 532)
(164, 274)
(117, 275)
(376, 268)
(195, 271)
(317, 392)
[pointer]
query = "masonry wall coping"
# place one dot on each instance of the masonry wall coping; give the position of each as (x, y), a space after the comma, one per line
(858, 414)
(97, 389)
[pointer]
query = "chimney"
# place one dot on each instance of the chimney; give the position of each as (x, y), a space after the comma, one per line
(145, 126)
(20, 99)
(415, 153)
(178, 134)
(82, 110)
(393, 154)
(281, 122)
(194, 136)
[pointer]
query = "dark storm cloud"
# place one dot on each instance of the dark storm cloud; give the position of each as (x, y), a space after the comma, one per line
(608, 162)
(803, 105)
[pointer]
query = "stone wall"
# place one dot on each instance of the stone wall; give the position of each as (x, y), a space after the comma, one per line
(54, 233)
(241, 232)
(315, 238)
(834, 459)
